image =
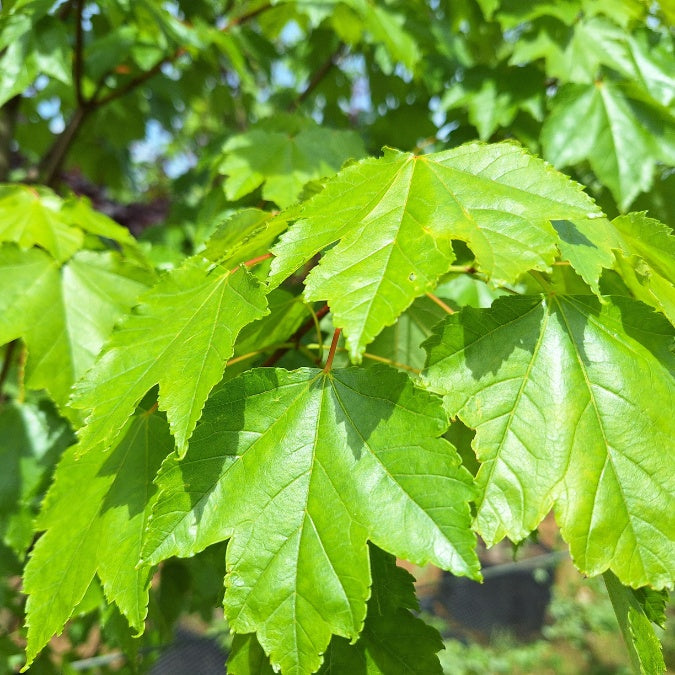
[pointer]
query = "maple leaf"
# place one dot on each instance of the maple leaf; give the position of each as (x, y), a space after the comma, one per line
(65, 313)
(645, 259)
(282, 155)
(35, 215)
(180, 336)
(622, 137)
(555, 389)
(102, 535)
(307, 466)
(392, 639)
(399, 215)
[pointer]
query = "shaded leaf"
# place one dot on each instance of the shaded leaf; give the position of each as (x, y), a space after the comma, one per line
(399, 215)
(392, 640)
(180, 336)
(555, 389)
(646, 260)
(621, 136)
(32, 438)
(360, 456)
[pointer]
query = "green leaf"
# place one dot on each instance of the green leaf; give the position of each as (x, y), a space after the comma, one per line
(643, 646)
(399, 215)
(64, 315)
(35, 216)
(360, 455)
(493, 97)
(248, 233)
(385, 28)
(621, 137)
(32, 438)
(556, 390)
(32, 48)
(247, 657)
(31, 216)
(180, 336)
(392, 640)
(284, 154)
(95, 515)
(646, 260)
(587, 244)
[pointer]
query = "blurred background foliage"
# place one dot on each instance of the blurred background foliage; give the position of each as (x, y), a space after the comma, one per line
(169, 116)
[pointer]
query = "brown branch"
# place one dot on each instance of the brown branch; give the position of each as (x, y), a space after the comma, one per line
(8, 115)
(318, 76)
(297, 336)
(140, 79)
(52, 162)
(78, 56)
(237, 21)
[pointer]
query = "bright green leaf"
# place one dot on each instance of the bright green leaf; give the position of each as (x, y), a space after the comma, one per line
(638, 633)
(95, 515)
(587, 244)
(180, 336)
(247, 234)
(35, 216)
(63, 315)
(399, 215)
(360, 455)
(556, 391)
(285, 154)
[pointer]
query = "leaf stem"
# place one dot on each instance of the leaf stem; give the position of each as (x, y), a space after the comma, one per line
(440, 303)
(391, 362)
(331, 353)
(297, 336)
(258, 259)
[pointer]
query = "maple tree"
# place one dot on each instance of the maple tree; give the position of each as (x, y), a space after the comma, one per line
(259, 393)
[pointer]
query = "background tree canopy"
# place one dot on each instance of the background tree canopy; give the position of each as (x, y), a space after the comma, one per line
(474, 198)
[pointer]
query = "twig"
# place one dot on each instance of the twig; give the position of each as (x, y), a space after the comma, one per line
(52, 162)
(50, 166)
(137, 81)
(297, 336)
(77, 58)
(318, 76)
(237, 21)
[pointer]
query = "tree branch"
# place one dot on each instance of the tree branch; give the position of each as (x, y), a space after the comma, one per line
(318, 76)
(8, 113)
(297, 336)
(52, 163)
(78, 56)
